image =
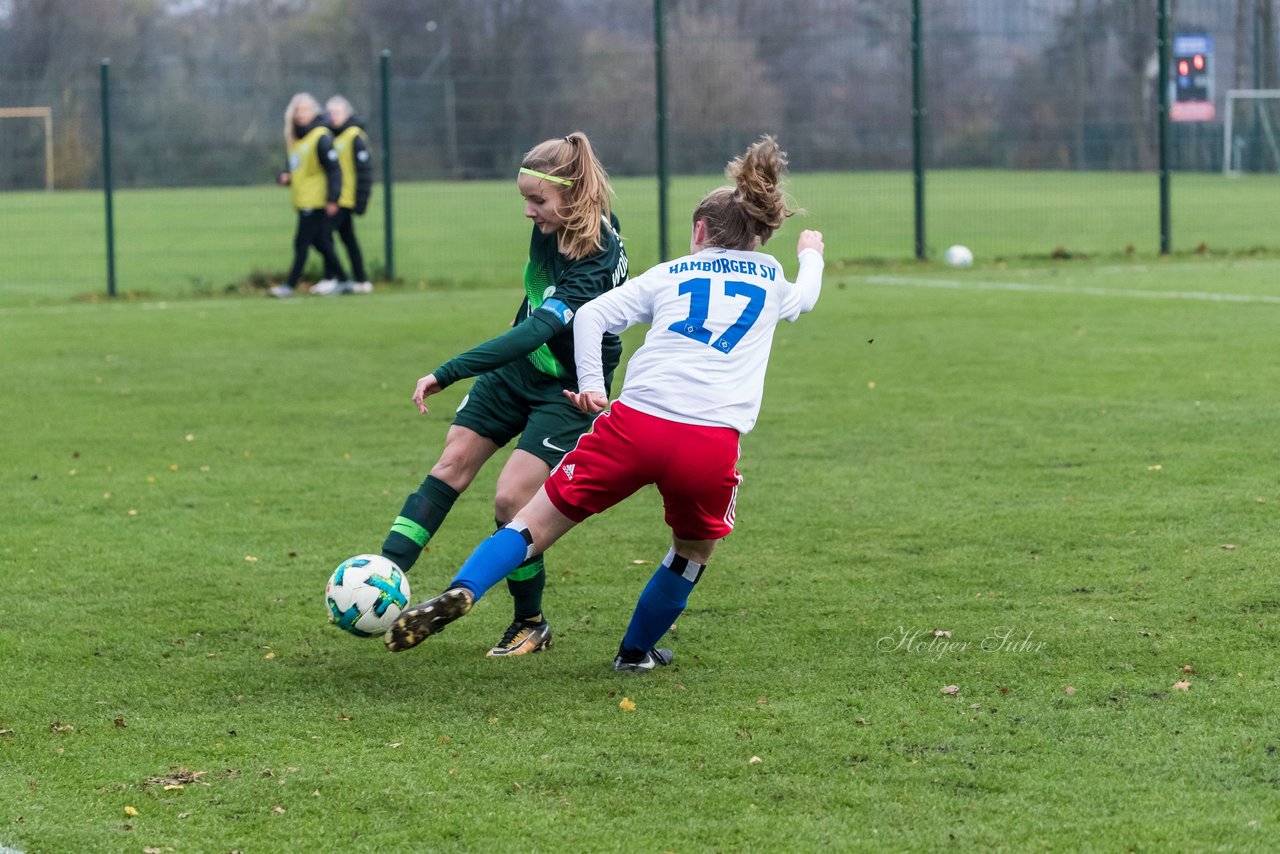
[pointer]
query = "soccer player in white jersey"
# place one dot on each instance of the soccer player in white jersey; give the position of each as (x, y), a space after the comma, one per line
(690, 392)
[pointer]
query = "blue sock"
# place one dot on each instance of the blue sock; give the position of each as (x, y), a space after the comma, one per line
(663, 599)
(493, 560)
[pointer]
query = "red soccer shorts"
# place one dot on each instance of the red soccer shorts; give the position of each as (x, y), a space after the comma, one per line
(693, 466)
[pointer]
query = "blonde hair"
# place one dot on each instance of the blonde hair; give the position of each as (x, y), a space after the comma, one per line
(342, 103)
(290, 137)
(747, 214)
(584, 203)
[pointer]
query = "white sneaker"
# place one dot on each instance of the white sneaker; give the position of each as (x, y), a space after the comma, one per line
(326, 287)
(280, 291)
(362, 287)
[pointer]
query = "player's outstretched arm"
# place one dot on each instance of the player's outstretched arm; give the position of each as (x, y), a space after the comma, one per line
(809, 281)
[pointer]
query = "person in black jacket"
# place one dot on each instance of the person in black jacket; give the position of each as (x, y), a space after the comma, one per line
(352, 145)
(313, 174)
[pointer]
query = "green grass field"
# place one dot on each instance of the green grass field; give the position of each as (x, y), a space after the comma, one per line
(1072, 470)
(173, 243)
(1003, 577)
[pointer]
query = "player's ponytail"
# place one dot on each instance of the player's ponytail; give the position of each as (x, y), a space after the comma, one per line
(747, 214)
(585, 199)
(290, 135)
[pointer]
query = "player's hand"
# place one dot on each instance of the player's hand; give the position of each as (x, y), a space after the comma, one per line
(810, 240)
(426, 387)
(331, 208)
(283, 179)
(589, 402)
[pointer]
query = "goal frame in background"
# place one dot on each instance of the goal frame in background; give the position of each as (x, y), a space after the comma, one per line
(1228, 123)
(45, 113)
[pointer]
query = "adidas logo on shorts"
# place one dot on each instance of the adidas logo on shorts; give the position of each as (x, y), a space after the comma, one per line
(568, 471)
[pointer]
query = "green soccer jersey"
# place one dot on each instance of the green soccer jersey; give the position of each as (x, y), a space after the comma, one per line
(553, 281)
(555, 288)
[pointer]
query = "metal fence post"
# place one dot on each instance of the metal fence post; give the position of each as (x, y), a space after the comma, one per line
(388, 223)
(660, 82)
(1162, 116)
(105, 89)
(917, 124)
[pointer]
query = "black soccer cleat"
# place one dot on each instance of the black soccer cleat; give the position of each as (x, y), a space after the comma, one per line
(630, 661)
(416, 624)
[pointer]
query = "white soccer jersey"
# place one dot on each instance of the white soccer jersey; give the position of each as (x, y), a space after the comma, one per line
(712, 318)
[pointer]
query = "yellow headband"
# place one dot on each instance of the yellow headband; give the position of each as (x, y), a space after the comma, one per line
(555, 179)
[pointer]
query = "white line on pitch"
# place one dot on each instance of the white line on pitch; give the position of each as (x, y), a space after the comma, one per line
(1026, 287)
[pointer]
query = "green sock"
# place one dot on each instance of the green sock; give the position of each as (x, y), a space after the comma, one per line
(419, 519)
(526, 583)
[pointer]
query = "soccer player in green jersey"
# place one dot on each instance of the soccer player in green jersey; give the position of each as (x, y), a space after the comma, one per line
(575, 254)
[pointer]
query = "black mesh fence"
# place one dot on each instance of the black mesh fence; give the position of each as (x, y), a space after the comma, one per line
(1036, 110)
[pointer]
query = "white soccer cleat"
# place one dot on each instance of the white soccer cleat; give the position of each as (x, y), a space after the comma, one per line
(280, 291)
(326, 287)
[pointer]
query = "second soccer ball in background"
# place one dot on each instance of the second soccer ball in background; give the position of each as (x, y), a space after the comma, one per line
(959, 256)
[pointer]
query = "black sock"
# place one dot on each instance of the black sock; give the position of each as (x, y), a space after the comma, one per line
(419, 519)
(526, 583)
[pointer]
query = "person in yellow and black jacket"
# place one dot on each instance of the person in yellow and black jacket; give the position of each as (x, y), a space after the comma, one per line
(352, 145)
(315, 177)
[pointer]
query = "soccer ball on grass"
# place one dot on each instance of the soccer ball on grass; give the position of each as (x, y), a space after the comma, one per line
(959, 256)
(365, 594)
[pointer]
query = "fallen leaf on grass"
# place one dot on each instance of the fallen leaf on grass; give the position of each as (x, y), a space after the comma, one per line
(119, 722)
(174, 787)
(627, 705)
(754, 760)
(130, 811)
(269, 656)
(1182, 685)
(278, 810)
(939, 633)
(1071, 691)
(177, 776)
(58, 726)
(1230, 547)
(1187, 668)
(951, 689)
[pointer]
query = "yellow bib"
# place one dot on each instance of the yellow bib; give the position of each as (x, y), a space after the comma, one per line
(306, 175)
(345, 144)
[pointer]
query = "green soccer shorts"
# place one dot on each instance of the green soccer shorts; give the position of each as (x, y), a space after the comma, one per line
(519, 400)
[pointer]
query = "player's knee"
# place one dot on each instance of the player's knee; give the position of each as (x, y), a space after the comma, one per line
(694, 551)
(506, 504)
